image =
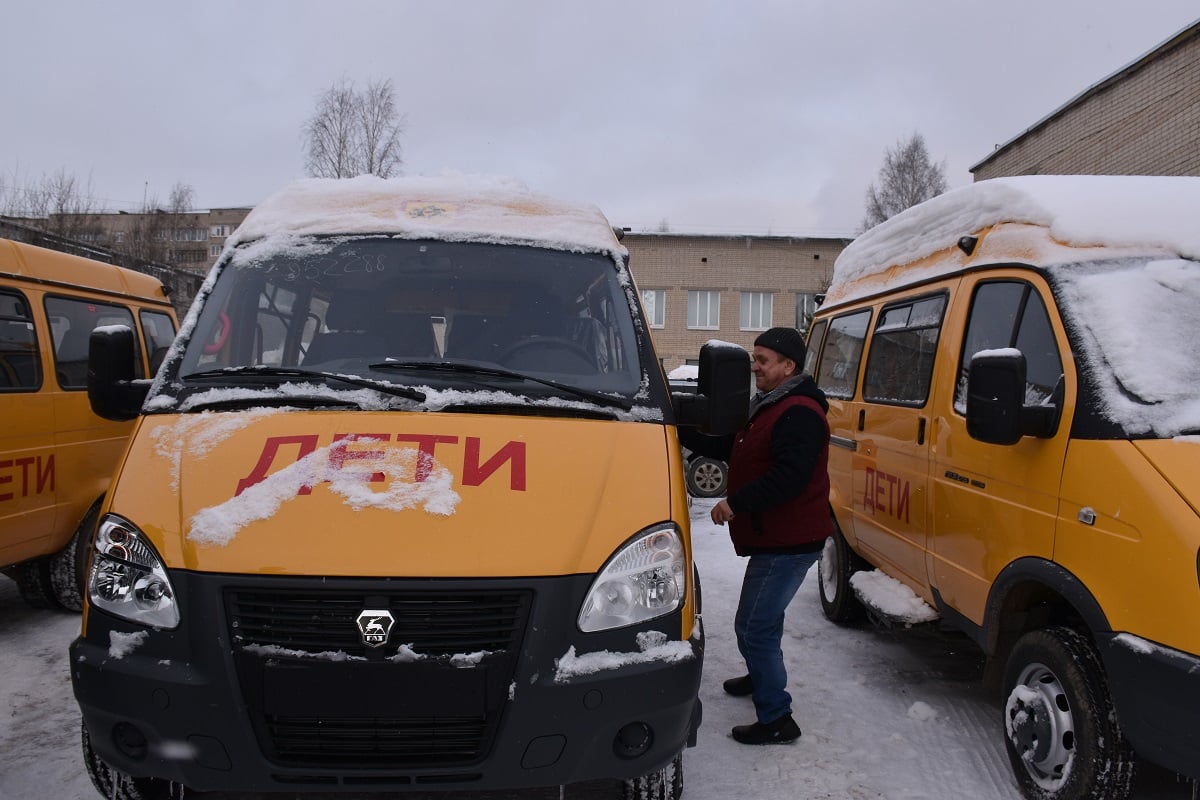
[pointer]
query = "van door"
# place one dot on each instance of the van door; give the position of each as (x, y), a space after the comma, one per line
(891, 465)
(995, 503)
(27, 468)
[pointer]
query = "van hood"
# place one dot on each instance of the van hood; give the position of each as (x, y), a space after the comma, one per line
(1176, 460)
(387, 494)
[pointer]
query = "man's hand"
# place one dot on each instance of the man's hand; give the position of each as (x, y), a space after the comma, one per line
(721, 512)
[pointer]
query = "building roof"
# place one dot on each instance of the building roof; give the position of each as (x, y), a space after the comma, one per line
(1142, 61)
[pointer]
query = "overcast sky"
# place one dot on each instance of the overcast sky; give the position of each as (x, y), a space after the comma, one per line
(736, 116)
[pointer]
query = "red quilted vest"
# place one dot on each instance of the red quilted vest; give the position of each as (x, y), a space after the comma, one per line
(799, 523)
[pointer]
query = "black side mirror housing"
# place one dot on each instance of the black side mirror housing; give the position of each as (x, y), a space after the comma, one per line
(112, 389)
(996, 410)
(722, 399)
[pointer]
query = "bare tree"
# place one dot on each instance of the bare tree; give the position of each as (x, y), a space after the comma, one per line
(58, 203)
(381, 130)
(354, 133)
(907, 177)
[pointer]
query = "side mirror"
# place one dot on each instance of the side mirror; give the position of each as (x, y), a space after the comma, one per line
(996, 410)
(722, 399)
(112, 390)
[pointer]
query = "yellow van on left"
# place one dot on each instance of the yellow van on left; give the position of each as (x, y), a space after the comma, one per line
(56, 455)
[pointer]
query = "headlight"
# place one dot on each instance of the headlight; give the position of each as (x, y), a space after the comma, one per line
(645, 579)
(128, 579)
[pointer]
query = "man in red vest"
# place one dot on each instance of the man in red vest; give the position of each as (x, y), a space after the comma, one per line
(777, 507)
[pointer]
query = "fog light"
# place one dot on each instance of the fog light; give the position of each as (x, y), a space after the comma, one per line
(130, 741)
(633, 740)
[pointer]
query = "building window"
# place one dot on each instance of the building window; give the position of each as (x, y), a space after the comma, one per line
(756, 311)
(220, 230)
(806, 306)
(119, 237)
(654, 304)
(704, 309)
(214, 250)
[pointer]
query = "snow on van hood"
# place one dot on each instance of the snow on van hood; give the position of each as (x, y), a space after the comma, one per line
(449, 208)
(1155, 213)
(392, 494)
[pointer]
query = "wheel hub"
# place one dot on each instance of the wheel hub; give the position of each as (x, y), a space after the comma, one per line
(1041, 727)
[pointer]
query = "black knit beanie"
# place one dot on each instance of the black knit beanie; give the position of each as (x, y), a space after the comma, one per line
(786, 341)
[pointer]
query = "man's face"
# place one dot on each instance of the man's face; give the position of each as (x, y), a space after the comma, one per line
(770, 368)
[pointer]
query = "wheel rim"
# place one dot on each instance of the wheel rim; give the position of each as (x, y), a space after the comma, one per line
(1041, 727)
(708, 477)
(829, 569)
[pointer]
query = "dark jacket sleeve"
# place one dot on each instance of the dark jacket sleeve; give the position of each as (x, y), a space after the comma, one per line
(796, 443)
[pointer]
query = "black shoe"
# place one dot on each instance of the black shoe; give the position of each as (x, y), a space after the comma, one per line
(739, 687)
(781, 731)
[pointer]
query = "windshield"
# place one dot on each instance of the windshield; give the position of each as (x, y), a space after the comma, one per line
(1136, 321)
(380, 312)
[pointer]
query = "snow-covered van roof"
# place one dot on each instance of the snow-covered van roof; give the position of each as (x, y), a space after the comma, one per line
(457, 208)
(1147, 214)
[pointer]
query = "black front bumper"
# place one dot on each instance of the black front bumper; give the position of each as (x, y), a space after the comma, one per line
(271, 699)
(1156, 691)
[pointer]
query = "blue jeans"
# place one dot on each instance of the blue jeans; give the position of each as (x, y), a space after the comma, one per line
(770, 584)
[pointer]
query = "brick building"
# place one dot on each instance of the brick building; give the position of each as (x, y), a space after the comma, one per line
(1144, 119)
(695, 288)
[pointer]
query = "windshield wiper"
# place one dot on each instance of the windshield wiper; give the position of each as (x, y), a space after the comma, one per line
(499, 372)
(293, 372)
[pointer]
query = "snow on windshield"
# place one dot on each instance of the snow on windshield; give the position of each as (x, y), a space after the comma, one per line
(1141, 318)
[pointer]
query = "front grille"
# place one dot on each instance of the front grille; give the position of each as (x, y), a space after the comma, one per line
(377, 742)
(371, 711)
(433, 623)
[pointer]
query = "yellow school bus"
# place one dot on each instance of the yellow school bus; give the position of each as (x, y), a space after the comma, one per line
(1016, 427)
(56, 455)
(404, 511)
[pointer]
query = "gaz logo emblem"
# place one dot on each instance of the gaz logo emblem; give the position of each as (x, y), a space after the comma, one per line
(375, 624)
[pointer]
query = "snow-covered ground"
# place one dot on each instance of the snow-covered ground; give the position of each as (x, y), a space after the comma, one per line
(886, 714)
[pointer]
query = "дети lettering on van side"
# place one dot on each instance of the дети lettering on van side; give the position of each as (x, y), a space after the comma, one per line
(886, 494)
(16, 475)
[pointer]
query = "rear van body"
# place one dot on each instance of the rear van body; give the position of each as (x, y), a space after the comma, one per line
(404, 511)
(1012, 377)
(56, 455)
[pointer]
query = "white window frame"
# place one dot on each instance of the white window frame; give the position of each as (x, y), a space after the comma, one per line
(708, 301)
(654, 304)
(806, 307)
(757, 311)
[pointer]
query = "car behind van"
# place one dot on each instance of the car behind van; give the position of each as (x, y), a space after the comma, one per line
(56, 455)
(404, 511)
(1012, 376)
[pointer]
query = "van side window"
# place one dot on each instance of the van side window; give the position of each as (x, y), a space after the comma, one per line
(1012, 314)
(20, 364)
(842, 354)
(160, 332)
(71, 325)
(815, 335)
(900, 365)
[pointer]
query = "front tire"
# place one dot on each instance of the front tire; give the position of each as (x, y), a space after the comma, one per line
(837, 563)
(662, 784)
(1061, 730)
(115, 785)
(67, 568)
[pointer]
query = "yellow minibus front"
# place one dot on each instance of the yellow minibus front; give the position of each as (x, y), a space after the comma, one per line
(404, 510)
